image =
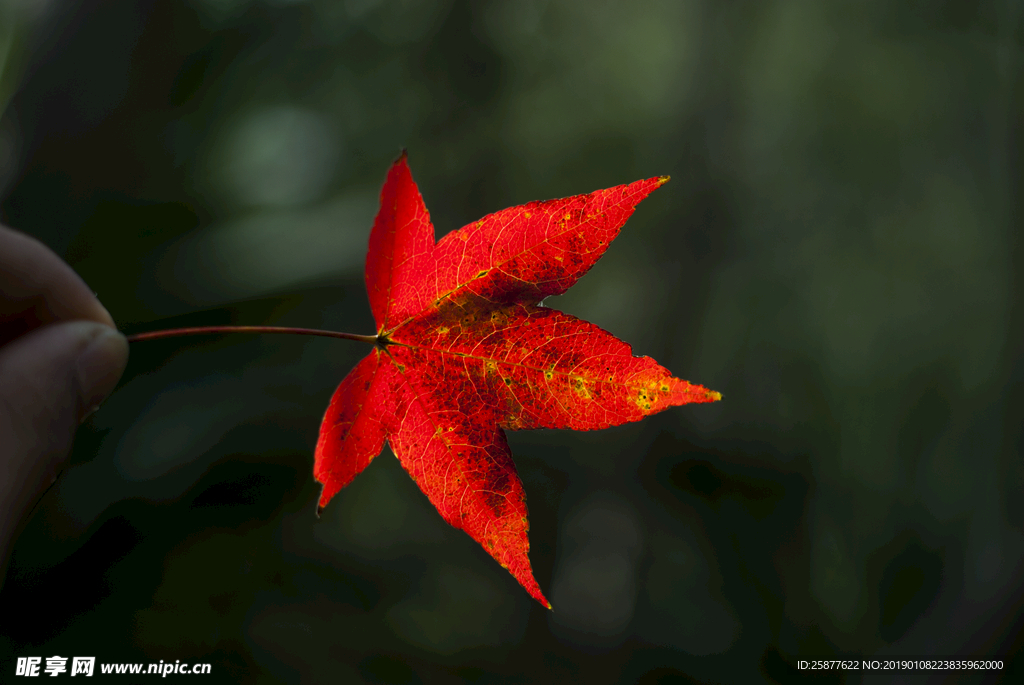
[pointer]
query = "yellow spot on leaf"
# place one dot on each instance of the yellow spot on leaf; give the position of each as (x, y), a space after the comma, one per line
(642, 400)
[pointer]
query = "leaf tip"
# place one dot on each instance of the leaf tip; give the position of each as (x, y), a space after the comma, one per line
(715, 396)
(662, 180)
(319, 510)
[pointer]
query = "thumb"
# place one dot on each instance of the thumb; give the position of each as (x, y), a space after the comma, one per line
(50, 379)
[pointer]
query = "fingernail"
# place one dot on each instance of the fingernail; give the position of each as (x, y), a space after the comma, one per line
(86, 412)
(99, 367)
(102, 308)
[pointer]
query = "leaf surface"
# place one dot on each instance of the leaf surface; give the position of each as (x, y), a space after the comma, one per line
(465, 351)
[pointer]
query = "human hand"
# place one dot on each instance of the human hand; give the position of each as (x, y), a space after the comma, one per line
(60, 356)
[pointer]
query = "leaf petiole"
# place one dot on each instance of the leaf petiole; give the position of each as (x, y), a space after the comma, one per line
(207, 330)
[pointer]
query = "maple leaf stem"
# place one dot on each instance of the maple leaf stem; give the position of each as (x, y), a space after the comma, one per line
(207, 330)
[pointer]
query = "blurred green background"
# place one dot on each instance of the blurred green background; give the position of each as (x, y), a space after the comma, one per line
(837, 253)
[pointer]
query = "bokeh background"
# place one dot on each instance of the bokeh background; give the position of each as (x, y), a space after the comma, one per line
(838, 253)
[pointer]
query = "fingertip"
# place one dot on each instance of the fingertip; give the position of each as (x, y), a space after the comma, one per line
(99, 367)
(40, 288)
(101, 314)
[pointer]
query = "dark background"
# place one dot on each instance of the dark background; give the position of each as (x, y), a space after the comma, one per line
(837, 253)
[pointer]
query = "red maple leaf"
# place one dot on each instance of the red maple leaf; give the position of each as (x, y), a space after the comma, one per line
(464, 351)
